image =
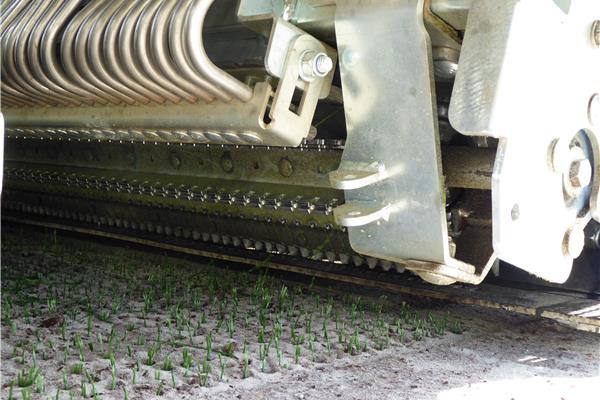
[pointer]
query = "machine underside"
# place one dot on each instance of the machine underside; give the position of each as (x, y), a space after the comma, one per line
(410, 135)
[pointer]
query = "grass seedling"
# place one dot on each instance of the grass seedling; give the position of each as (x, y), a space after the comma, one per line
(89, 324)
(209, 346)
(65, 381)
(40, 384)
(28, 377)
(113, 376)
(418, 334)
(187, 358)
(125, 395)
(245, 363)
(151, 355)
(221, 367)
(297, 353)
(205, 373)
(25, 394)
(261, 335)
(77, 369)
(167, 364)
(160, 391)
(456, 327)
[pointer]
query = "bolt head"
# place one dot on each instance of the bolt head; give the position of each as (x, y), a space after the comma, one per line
(323, 64)
(313, 66)
(580, 173)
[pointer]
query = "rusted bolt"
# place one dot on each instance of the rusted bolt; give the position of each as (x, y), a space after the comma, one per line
(175, 160)
(285, 167)
(573, 242)
(596, 33)
(227, 163)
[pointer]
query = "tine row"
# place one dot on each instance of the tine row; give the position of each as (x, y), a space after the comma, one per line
(78, 52)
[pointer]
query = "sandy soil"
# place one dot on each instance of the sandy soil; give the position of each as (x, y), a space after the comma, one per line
(92, 320)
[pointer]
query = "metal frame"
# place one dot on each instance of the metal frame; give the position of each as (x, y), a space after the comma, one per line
(391, 167)
(505, 89)
(133, 79)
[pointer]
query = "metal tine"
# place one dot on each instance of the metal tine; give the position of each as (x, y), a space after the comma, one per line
(179, 53)
(113, 62)
(83, 63)
(33, 52)
(160, 51)
(141, 45)
(8, 13)
(10, 77)
(14, 99)
(95, 52)
(197, 54)
(129, 61)
(16, 95)
(49, 56)
(68, 60)
(22, 72)
(10, 17)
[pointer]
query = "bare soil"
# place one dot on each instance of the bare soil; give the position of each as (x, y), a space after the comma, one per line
(91, 320)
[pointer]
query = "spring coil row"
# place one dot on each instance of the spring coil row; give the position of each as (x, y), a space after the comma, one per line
(98, 52)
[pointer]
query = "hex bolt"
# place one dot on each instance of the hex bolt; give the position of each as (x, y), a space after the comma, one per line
(596, 33)
(573, 242)
(314, 66)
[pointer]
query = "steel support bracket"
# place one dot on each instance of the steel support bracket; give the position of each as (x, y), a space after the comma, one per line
(391, 169)
(547, 171)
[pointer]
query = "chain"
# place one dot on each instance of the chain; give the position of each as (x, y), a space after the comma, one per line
(207, 194)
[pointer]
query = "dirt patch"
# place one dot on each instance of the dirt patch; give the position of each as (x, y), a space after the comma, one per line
(87, 320)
